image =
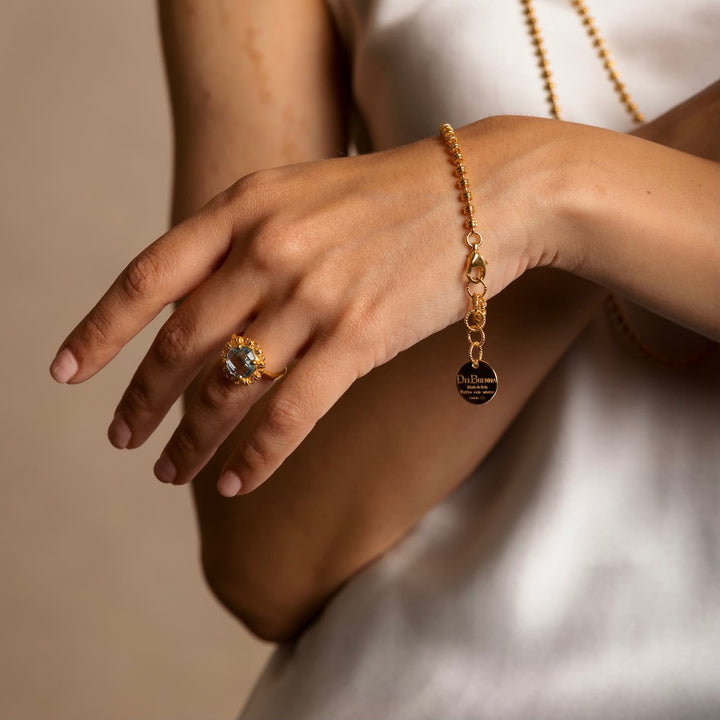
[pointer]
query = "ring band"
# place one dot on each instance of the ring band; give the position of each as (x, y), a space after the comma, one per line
(243, 362)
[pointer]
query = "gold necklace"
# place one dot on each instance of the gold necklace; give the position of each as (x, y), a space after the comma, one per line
(612, 305)
(602, 52)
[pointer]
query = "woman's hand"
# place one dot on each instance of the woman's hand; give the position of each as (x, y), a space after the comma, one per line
(341, 263)
(344, 263)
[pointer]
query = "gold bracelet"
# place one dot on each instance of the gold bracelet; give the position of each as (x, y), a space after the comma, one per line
(476, 380)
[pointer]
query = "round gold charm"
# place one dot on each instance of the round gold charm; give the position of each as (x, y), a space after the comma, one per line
(477, 385)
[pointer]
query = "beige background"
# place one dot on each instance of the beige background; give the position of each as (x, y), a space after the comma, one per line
(103, 610)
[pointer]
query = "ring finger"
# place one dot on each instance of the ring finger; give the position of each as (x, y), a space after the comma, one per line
(220, 403)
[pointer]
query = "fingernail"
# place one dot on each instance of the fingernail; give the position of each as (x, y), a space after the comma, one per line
(119, 433)
(64, 366)
(164, 469)
(229, 484)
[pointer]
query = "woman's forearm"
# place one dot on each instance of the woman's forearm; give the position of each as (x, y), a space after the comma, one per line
(650, 229)
(252, 85)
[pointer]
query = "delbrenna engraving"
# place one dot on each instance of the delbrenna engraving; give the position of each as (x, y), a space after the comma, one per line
(477, 385)
(475, 379)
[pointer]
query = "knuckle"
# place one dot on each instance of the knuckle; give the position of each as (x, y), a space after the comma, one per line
(187, 440)
(268, 249)
(282, 245)
(172, 343)
(256, 454)
(136, 400)
(282, 420)
(216, 394)
(252, 192)
(283, 417)
(252, 184)
(142, 276)
(358, 322)
(96, 328)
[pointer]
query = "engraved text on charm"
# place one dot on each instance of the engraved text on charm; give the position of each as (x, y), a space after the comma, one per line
(477, 385)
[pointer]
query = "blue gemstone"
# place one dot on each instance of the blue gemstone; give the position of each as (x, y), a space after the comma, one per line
(241, 362)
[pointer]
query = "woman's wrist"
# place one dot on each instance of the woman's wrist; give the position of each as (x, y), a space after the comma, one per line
(524, 194)
(630, 215)
(640, 219)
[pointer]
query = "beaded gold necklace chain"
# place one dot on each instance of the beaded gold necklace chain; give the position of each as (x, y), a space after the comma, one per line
(602, 52)
(612, 305)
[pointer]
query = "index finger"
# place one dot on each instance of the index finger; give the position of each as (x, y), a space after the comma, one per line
(174, 265)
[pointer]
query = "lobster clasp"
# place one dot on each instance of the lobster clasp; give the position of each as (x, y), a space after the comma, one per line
(475, 266)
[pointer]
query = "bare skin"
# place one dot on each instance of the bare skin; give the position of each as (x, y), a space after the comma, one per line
(361, 472)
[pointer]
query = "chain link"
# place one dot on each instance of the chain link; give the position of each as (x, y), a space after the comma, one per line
(475, 264)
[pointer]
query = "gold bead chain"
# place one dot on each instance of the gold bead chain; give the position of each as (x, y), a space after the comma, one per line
(475, 265)
(620, 319)
(602, 52)
(476, 381)
(612, 305)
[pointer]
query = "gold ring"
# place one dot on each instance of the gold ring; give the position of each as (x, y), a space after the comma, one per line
(243, 362)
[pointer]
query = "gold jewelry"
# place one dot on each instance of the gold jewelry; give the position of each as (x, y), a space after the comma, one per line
(618, 316)
(476, 380)
(612, 305)
(602, 52)
(243, 362)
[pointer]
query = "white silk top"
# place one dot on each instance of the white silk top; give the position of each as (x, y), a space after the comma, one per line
(589, 586)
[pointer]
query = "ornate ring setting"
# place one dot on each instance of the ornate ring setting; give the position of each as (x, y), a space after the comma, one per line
(243, 362)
